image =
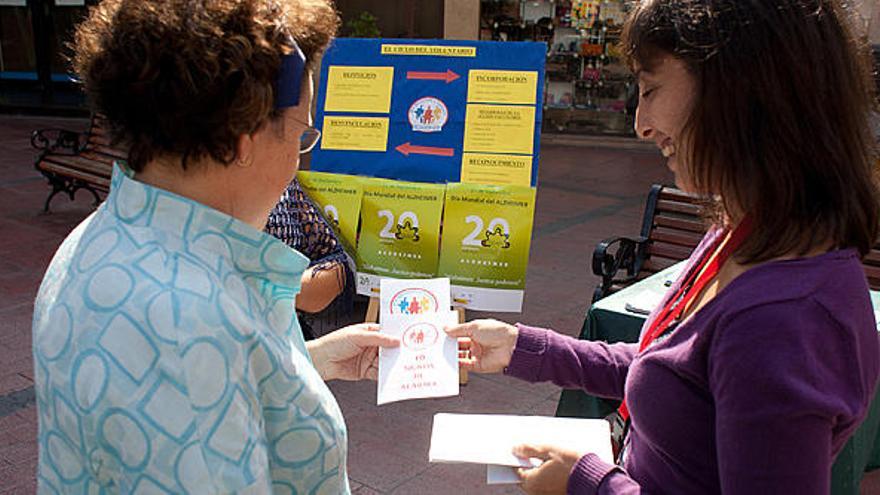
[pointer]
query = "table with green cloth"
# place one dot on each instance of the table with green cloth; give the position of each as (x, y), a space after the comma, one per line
(619, 318)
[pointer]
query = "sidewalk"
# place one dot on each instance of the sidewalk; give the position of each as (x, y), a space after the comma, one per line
(585, 194)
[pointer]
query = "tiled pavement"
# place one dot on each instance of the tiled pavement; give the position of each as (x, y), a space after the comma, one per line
(585, 194)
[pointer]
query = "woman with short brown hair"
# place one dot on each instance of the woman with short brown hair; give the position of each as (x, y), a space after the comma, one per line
(168, 354)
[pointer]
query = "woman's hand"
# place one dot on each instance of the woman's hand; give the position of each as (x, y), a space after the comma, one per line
(350, 353)
(551, 477)
(490, 343)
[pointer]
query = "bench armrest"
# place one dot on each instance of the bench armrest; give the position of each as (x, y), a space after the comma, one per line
(619, 253)
(60, 141)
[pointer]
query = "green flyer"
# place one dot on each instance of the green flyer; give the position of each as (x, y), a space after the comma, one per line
(400, 231)
(487, 233)
(339, 198)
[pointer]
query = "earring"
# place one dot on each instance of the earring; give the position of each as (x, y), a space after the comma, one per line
(243, 163)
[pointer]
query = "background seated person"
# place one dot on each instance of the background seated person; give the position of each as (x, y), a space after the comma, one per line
(328, 283)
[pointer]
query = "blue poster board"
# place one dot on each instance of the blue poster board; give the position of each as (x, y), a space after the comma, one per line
(419, 155)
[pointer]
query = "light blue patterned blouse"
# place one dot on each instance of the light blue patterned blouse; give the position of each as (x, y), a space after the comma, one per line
(169, 358)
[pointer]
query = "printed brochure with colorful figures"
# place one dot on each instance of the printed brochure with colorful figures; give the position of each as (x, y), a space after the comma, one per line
(413, 297)
(426, 363)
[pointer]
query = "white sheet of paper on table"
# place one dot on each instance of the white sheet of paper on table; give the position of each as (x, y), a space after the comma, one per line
(413, 297)
(426, 363)
(490, 438)
(644, 302)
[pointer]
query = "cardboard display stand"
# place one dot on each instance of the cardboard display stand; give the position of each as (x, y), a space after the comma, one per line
(429, 159)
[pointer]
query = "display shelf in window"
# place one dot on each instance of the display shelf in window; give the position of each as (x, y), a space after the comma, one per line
(559, 94)
(588, 87)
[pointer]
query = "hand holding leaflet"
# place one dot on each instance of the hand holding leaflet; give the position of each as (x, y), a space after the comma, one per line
(426, 363)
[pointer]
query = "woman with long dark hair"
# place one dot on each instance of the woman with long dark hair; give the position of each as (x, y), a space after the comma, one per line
(763, 357)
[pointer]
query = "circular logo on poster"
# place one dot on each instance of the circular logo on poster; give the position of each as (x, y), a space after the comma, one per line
(413, 302)
(420, 336)
(428, 114)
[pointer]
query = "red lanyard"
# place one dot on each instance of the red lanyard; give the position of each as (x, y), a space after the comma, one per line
(703, 273)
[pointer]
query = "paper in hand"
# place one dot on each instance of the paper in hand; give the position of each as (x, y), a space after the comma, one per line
(426, 363)
(490, 438)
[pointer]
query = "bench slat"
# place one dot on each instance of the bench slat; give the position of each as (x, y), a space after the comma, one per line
(94, 156)
(689, 209)
(673, 194)
(671, 251)
(100, 183)
(657, 264)
(873, 256)
(873, 275)
(678, 237)
(106, 153)
(680, 223)
(77, 163)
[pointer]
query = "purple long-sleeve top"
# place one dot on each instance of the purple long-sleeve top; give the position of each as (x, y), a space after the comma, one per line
(756, 392)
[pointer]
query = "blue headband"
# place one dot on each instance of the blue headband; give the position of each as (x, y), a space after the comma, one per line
(290, 76)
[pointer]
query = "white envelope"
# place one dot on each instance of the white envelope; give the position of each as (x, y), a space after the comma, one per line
(413, 297)
(426, 363)
(490, 438)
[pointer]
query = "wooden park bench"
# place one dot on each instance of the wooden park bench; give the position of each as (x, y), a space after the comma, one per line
(672, 226)
(74, 160)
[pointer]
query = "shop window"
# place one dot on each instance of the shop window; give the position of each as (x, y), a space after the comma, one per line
(18, 59)
(588, 88)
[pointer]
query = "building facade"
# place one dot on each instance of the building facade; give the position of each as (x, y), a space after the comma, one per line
(588, 90)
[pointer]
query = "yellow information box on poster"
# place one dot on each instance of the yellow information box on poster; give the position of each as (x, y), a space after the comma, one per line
(359, 89)
(355, 133)
(502, 86)
(499, 170)
(499, 129)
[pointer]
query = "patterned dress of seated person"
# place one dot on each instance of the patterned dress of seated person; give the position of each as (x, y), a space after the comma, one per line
(297, 221)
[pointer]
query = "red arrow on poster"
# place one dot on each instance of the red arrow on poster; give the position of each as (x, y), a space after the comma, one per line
(447, 76)
(407, 148)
